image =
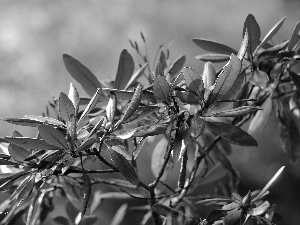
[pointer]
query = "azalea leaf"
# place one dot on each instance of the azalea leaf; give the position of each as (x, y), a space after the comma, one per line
(232, 134)
(145, 131)
(240, 111)
(213, 46)
(166, 211)
(209, 75)
(197, 126)
(26, 190)
(216, 58)
(119, 147)
(17, 153)
(139, 147)
(74, 97)
(295, 38)
(52, 136)
(158, 156)
(31, 143)
(7, 182)
(87, 189)
(188, 97)
(137, 74)
(254, 32)
(161, 87)
(125, 70)
(161, 64)
(111, 107)
(193, 81)
(8, 162)
(33, 121)
(244, 45)
(177, 66)
(180, 143)
(259, 78)
(182, 173)
(120, 215)
(82, 74)
(66, 107)
(86, 144)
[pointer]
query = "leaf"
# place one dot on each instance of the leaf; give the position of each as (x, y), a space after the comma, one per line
(8, 163)
(295, 38)
(82, 75)
(188, 97)
(209, 75)
(141, 113)
(271, 33)
(182, 173)
(66, 107)
(161, 64)
(180, 143)
(232, 134)
(166, 211)
(138, 148)
(91, 104)
(61, 220)
(33, 121)
(125, 70)
(120, 215)
(119, 147)
(86, 191)
(17, 153)
(133, 105)
(177, 66)
(213, 46)
(197, 126)
(254, 32)
(53, 137)
(232, 217)
(270, 212)
(137, 74)
(89, 220)
(26, 191)
(7, 182)
(31, 143)
(216, 214)
(111, 107)
(296, 79)
(243, 47)
(145, 131)
(240, 111)
(262, 208)
(86, 144)
(161, 87)
(260, 119)
(216, 58)
(125, 168)
(49, 120)
(259, 78)
(158, 156)
(242, 94)
(193, 81)
(74, 97)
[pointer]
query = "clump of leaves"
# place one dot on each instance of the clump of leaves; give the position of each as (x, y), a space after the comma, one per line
(179, 107)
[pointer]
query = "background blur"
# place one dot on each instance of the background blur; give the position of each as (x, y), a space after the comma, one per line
(35, 34)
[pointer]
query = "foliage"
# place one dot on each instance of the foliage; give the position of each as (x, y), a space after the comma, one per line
(182, 109)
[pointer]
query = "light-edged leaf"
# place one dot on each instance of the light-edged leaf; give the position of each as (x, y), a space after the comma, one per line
(182, 172)
(66, 107)
(124, 166)
(188, 97)
(213, 57)
(259, 78)
(261, 117)
(33, 121)
(262, 208)
(8, 162)
(82, 74)
(209, 75)
(138, 148)
(144, 131)
(111, 107)
(137, 74)
(87, 189)
(180, 143)
(240, 111)
(161, 64)
(165, 211)
(17, 153)
(127, 95)
(193, 81)
(119, 147)
(232, 134)
(125, 70)
(213, 46)
(271, 33)
(161, 87)
(254, 32)
(141, 113)
(52, 136)
(74, 97)
(120, 215)
(49, 120)
(177, 66)
(86, 144)
(26, 190)
(31, 143)
(8, 181)
(91, 104)
(244, 46)
(295, 38)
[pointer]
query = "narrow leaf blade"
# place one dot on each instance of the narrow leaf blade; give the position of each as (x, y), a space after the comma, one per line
(125, 70)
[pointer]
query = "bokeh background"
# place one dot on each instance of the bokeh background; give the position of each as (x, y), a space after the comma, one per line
(35, 34)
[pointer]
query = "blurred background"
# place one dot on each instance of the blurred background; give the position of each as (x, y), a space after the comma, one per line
(35, 34)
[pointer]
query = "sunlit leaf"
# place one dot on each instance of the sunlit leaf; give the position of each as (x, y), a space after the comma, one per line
(213, 46)
(188, 97)
(125, 70)
(119, 147)
(52, 136)
(7, 182)
(127, 95)
(209, 75)
(140, 114)
(240, 111)
(177, 66)
(17, 153)
(182, 173)
(137, 74)
(31, 143)
(111, 107)
(66, 107)
(216, 58)
(295, 38)
(74, 97)
(33, 121)
(193, 81)
(82, 74)
(8, 162)
(161, 87)
(26, 190)
(86, 144)
(262, 208)
(180, 143)
(254, 32)
(232, 134)
(259, 78)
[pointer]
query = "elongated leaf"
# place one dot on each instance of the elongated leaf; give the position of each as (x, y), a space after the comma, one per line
(213, 46)
(127, 95)
(137, 74)
(180, 143)
(141, 113)
(232, 134)
(111, 107)
(167, 211)
(125, 168)
(161, 87)
(86, 144)
(138, 148)
(120, 215)
(193, 81)
(177, 66)
(125, 70)
(209, 75)
(7, 182)
(158, 155)
(53, 137)
(271, 33)
(26, 191)
(33, 121)
(295, 38)
(216, 58)
(226, 79)
(119, 147)
(262, 208)
(31, 143)
(17, 153)
(254, 32)
(87, 189)
(260, 119)
(244, 46)
(66, 107)
(197, 126)
(161, 65)
(259, 78)
(49, 120)
(182, 173)
(8, 163)
(144, 131)
(74, 97)
(82, 74)
(240, 111)
(91, 104)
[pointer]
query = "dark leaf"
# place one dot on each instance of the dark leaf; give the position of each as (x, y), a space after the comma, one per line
(120, 215)
(254, 32)
(66, 107)
(119, 147)
(161, 87)
(240, 111)
(272, 52)
(188, 97)
(33, 121)
(295, 38)
(86, 191)
(82, 75)
(193, 81)
(31, 143)
(17, 134)
(182, 173)
(215, 215)
(137, 74)
(213, 46)
(259, 78)
(17, 153)
(232, 134)
(139, 147)
(74, 97)
(125, 70)
(232, 217)
(149, 130)
(111, 107)
(167, 211)
(61, 220)
(125, 168)
(271, 33)
(53, 137)
(216, 58)
(197, 126)
(161, 65)
(177, 66)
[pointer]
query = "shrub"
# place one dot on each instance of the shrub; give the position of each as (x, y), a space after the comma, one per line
(193, 117)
